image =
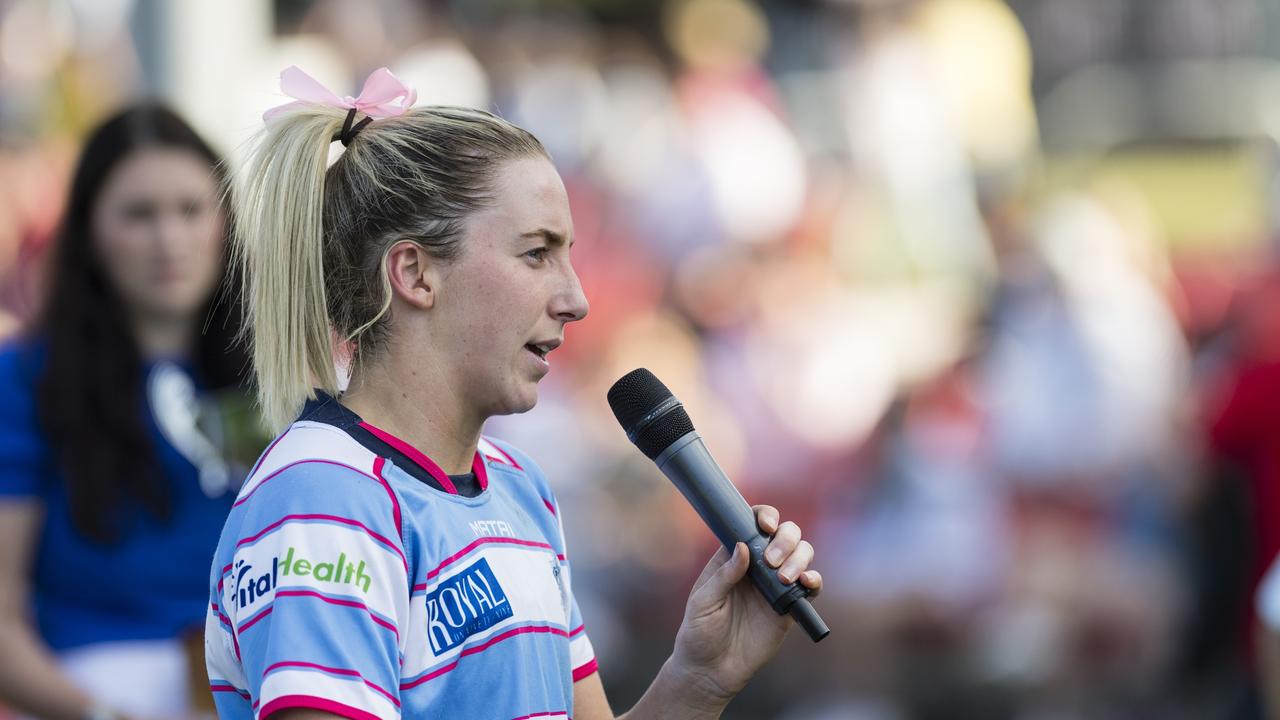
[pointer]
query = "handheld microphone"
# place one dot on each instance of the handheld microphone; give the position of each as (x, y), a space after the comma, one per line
(657, 423)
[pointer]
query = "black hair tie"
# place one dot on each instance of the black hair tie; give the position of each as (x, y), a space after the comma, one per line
(348, 131)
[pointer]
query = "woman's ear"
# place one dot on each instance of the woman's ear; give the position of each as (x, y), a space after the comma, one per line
(413, 274)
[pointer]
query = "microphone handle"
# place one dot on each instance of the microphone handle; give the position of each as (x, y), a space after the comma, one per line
(689, 465)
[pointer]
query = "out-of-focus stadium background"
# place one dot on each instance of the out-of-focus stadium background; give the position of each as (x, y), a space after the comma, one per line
(984, 294)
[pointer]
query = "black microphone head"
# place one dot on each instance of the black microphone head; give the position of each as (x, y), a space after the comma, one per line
(651, 416)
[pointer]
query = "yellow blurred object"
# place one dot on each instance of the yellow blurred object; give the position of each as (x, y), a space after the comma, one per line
(716, 34)
(1200, 196)
(983, 67)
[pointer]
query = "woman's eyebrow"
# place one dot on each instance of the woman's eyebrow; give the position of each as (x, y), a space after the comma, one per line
(550, 236)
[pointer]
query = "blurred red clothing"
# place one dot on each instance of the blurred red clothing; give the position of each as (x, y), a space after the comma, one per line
(1246, 434)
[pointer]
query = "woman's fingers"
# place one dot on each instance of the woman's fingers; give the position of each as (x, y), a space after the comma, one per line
(812, 579)
(784, 543)
(767, 517)
(797, 562)
(786, 550)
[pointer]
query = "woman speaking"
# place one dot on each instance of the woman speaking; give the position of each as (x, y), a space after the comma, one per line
(385, 558)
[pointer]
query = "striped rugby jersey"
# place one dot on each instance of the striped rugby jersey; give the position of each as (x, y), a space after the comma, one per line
(344, 583)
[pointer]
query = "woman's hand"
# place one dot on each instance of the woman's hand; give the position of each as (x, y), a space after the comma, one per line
(729, 631)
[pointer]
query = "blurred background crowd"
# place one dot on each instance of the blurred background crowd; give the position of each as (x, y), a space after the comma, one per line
(984, 294)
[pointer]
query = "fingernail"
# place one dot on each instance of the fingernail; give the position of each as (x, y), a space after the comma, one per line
(787, 577)
(773, 555)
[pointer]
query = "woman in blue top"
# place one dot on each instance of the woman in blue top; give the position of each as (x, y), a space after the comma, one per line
(114, 476)
(385, 559)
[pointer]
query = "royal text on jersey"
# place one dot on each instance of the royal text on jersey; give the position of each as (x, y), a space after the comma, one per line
(464, 605)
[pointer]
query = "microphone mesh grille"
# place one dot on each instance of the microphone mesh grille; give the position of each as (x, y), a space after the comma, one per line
(636, 395)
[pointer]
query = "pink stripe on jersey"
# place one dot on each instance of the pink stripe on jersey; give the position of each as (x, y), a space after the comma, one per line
(225, 570)
(229, 688)
(482, 647)
(262, 458)
(226, 620)
(415, 455)
(426, 463)
(277, 472)
(340, 601)
(585, 670)
(328, 518)
(336, 671)
(315, 703)
(482, 475)
(550, 507)
(395, 500)
(254, 620)
(477, 543)
(553, 713)
(510, 459)
(577, 630)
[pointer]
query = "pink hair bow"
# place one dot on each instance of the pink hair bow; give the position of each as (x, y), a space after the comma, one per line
(377, 98)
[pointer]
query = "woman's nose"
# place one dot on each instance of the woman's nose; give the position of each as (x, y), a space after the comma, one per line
(570, 305)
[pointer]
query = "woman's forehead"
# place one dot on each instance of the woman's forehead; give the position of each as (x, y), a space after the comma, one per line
(529, 193)
(158, 170)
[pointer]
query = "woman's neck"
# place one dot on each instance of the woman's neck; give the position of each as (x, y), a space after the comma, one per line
(164, 337)
(417, 407)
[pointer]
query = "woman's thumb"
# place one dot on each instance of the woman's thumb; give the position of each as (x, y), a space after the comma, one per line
(729, 574)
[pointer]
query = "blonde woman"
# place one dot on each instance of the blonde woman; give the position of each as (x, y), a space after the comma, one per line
(385, 558)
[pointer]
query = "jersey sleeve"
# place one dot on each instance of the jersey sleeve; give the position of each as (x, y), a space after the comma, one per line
(316, 593)
(22, 448)
(582, 656)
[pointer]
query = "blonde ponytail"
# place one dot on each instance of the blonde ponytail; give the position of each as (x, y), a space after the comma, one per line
(312, 238)
(279, 230)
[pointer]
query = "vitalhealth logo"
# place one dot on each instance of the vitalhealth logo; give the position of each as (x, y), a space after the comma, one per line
(251, 587)
(464, 605)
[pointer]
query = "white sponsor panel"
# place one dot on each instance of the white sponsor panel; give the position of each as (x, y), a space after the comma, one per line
(331, 558)
(315, 683)
(464, 606)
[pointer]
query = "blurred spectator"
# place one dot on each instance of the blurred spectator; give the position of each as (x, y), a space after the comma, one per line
(123, 436)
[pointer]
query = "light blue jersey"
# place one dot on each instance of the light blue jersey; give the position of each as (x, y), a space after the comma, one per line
(346, 584)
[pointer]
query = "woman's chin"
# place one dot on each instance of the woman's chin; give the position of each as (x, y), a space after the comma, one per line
(518, 402)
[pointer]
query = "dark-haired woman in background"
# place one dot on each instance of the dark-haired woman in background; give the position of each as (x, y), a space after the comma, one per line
(121, 412)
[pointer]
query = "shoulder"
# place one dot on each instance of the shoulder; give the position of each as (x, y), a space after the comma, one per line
(508, 457)
(312, 448)
(504, 455)
(317, 468)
